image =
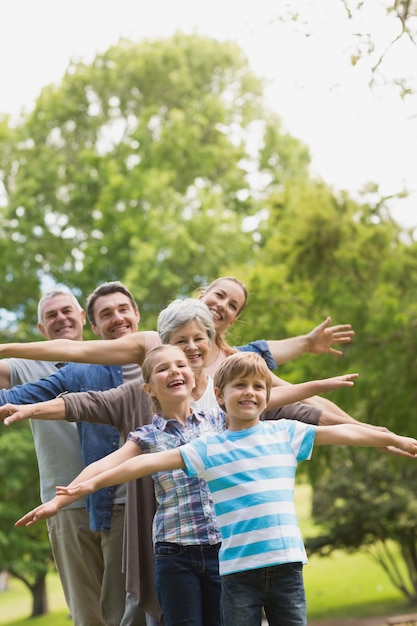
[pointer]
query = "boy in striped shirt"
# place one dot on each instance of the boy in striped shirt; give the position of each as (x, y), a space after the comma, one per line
(250, 470)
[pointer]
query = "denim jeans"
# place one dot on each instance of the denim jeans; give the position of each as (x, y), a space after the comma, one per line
(188, 584)
(279, 589)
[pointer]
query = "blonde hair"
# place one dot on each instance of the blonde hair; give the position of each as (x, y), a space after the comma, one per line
(240, 365)
(219, 337)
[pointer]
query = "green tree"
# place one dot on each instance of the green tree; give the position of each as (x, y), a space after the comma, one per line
(365, 501)
(142, 166)
(24, 552)
(323, 254)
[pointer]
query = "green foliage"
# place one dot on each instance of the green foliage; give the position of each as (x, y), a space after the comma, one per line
(324, 254)
(158, 164)
(24, 552)
(362, 500)
(136, 167)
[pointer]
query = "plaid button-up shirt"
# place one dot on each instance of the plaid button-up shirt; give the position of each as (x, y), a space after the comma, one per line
(185, 514)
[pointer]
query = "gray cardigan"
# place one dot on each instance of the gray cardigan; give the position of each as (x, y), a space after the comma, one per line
(127, 407)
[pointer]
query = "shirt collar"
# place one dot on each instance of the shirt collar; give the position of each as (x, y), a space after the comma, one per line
(162, 424)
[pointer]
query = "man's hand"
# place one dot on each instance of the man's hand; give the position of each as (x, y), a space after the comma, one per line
(10, 413)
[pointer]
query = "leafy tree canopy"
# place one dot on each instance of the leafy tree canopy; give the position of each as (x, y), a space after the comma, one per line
(159, 164)
(141, 167)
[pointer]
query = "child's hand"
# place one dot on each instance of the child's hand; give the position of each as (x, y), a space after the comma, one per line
(397, 452)
(346, 380)
(408, 444)
(48, 509)
(82, 489)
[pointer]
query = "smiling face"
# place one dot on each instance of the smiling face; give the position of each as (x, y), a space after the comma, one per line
(243, 386)
(114, 316)
(194, 342)
(244, 399)
(225, 299)
(61, 318)
(168, 376)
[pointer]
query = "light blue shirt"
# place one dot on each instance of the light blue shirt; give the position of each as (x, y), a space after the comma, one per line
(251, 476)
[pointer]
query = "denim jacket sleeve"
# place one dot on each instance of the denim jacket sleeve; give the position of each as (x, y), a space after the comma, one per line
(96, 440)
(39, 391)
(260, 347)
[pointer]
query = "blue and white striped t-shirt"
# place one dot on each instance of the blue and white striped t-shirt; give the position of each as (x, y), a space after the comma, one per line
(251, 476)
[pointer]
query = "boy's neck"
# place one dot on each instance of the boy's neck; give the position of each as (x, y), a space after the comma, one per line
(238, 424)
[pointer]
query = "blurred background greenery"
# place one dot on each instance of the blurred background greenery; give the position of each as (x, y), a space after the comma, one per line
(159, 164)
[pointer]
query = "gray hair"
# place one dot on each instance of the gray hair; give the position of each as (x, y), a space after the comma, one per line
(51, 294)
(181, 312)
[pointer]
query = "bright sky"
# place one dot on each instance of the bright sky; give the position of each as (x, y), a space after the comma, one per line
(354, 135)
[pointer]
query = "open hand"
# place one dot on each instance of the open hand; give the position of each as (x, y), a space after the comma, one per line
(345, 380)
(82, 489)
(323, 336)
(48, 509)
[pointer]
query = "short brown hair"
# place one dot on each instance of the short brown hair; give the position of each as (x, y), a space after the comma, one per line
(103, 290)
(240, 365)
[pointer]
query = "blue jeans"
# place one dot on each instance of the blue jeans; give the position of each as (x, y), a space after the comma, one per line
(278, 589)
(188, 584)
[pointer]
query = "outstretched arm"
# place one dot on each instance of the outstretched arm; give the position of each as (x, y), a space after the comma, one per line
(318, 341)
(318, 401)
(132, 469)
(4, 375)
(287, 394)
(107, 463)
(125, 407)
(327, 406)
(351, 435)
(49, 410)
(127, 349)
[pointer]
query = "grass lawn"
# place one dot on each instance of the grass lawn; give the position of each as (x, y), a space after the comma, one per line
(350, 586)
(16, 604)
(342, 585)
